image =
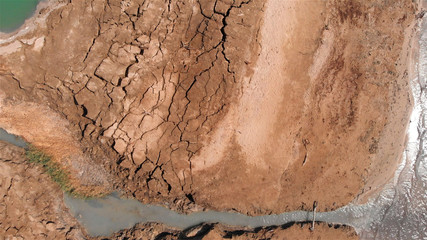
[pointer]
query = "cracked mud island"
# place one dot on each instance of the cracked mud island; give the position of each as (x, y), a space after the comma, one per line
(213, 119)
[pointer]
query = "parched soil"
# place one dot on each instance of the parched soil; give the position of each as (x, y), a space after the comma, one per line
(250, 106)
(31, 205)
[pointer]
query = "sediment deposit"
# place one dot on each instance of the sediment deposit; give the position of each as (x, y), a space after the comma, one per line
(32, 207)
(250, 106)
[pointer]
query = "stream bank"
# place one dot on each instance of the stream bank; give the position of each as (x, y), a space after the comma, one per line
(210, 107)
(379, 218)
(390, 215)
(366, 218)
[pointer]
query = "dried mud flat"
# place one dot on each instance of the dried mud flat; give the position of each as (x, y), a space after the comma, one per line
(251, 106)
(32, 208)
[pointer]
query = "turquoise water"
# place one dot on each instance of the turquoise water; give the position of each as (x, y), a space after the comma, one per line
(14, 12)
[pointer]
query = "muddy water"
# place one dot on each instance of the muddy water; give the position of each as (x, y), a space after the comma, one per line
(110, 214)
(7, 137)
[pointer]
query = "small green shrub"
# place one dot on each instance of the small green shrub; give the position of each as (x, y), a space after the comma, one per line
(52, 168)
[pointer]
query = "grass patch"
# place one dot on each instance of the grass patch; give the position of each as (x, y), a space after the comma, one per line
(57, 174)
(52, 168)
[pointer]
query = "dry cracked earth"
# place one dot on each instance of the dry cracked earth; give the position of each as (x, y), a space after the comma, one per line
(31, 207)
(252, 106)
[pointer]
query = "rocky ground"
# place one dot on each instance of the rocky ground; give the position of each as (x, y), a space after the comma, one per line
(250, 106)
(215, 231)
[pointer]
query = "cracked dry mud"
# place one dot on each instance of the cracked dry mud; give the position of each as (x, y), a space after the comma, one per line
(251, 106)
(31, 207)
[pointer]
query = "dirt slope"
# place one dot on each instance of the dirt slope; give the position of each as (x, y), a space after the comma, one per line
(31, 205)
(247, 106)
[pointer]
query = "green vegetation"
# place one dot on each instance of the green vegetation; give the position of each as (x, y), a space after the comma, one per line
(58, 175)
(52, 168)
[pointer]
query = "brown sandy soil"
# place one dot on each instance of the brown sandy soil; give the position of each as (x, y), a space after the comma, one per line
(247, 106)
(50, 134)
(217, 232)
(31, 205)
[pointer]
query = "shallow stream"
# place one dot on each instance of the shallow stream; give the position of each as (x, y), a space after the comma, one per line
(7, 137)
